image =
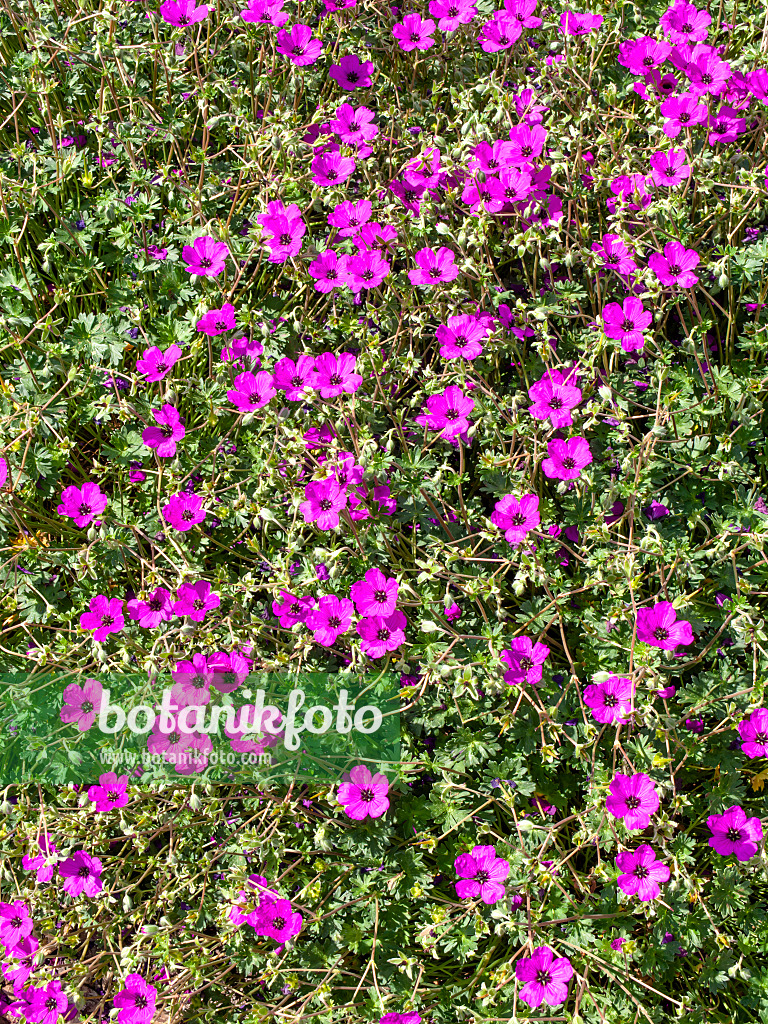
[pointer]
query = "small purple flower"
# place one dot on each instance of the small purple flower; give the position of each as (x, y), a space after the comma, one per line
(641, 873)
(82, 703)
(481, 873)
(524, 659)
(111, 792)
(660, 627)
(135, 1002)
(105, 617)
(633, 798)
(363, 795)
(352, 73)
(611, 700)
(545, 978)
(81, 874)
(205, 257)
(733, 832)
(754, 733)
(82, 504)
(184, 511)
(566, 459)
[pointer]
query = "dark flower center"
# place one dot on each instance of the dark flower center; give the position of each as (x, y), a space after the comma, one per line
(296, 608)
(415, 37)
(113, 795)
(298, 50)
(141, 1002)
(16, 922)
(331, 275)
(278, 923)
(161, 367)
(555, 403)
(684, 118)
(334, 622)
(198, 604)
(648, 61)
(166, 430)
(380, 596)
(410, 195)
(354, 127)
(183, 20)
(88, 706)
(366, 795)
(50, 1003)
(352, 76)
(155, 604)
(186, 515)
(335, 380)
(633, 802)
(198, 681)
(706, 78)
(383, 633)
(452, 414)
(675, 270)
(641, 872)
(221, 325)
(661, 633)
(543, 977)
(84, 509)
(482, 876)
(297, 382)
(526, 663)
(610, 700)
(686, 28)
(627, 325)
(367, 275)
(452, 12)
(331, 174)
(285, 239)
(461, 341)
(526, 150)
(84, 871)
(107, 620)
(761, 737)
(206, 262)
(174, 738)
(569, 462)
(734, 835)
(325, 504)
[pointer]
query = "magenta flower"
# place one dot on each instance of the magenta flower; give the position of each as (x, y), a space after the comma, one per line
(708, 74)
(283, 237)
(352, 73)
(376, 594)
(136, 1002)
(628, 187)
(3, 472)
(241, 349)
(452, 13)
(81, 703)
(575, 24)
(277, 920)
(641, 56)
(363, 795)
(329, 271)
(614, 254)
(82, 504)
(265, 12)
(205, 257)
(374, 236)
(182, 12)
(331, 168)
(295, 378)
(155, 364)
(499, 33)
(216, 321)
(481, 873)
(432, 266)
(633, 798)
(527, 142)
(164, 436)
(413, 32)
(336, 375)
(347, 216)
(15, 923)
(462, 337)
(230, 670)
(525, 659)
(45, 1003)
(627, 322)
(400, 1018)
(566, 458)
(324, 500)
(683, 23)
(353, 126)
(81, 874)
(754, 733)
(734, 832)
(381, 633)
(22, 957)
(291, 609)
(298, 45)
(515, 517)
(366, 270)
(682, 112)
(44, 872)
(186, 751)
(611, 700)
(725, 126)
(194, 600)
(332, 618)
(669, 167)
(553, 398)
(252, 390)
(659, 627)
(546, 978)
(184, 511)
(192, 681)
(447, 412)
(522, 12)
(150, 613)
(105, 616)
(111, 792)
(641, 873)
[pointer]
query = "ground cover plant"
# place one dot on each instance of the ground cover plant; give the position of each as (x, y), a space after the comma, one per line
(341, 337)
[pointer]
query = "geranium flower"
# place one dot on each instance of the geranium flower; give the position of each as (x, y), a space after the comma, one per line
(195, 600)
(82, 504)
(216, 321)
(499, 33)
(135, 1002)
(353, 126)
(574, 24)
(380, 634)
(432, 267)
(156, 609)
(82, 703)
(447, 412)
(265, 12)
(22, 957)
(324, 499)
(331, 168)
(182, 12)
(192, 681)
(726, 126)
(295, 378)
(45, 1003)
(566, 458)
(292, 609)
(633, 798)
(205, 257)
(400, 1018)
(669, 167)
(15, 922)
(553, 398)
(37, 863)
(163, 438)
(252, 390)
(614, 254)
(230, 670)
(278, 920)
(707, 73)
(683, 23)
(641, 873)
(111, 792)
(481, 873)
(527, 142)
(413, 32)
(298, 45)
(352, 73)
(105, 616)
(545, 978)
(734, 832)
(659, 627)
(754, 733)
(347, 216)
(525, 659)
(363, 795)
(184, 511)
(461, 338)
(376, 594)
(452, 13)
(642, 55)
(515, 517)
(627, 322)
(155, 364)
(682, 112)
(336, 375)
(522, 12)
(366, 270)
(330, 619)
(610, 700)
(81, 874)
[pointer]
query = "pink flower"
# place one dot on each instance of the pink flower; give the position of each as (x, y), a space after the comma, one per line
(482, 874)
(707, 73)
(574, 24)
(22, 961)
(184, 511)
(641, 873)
(324, 500)
(682, 112)
(527, 142)
(553, 398)
(614, 254)
(277, 920)
(135, 1002)
(640, 56)
(659, 627)
(291, 609)
(264, 12)
(627, 323)
(81, 874)
(82, 703)
(725, 126)
(105, 616)
(461, 338)
(336, 375)
(546, 979)
(610, 700)
(347, 216)
(452, 13)
(447, 412)
(44, 872)
(352, 73)
(363, 795)
(382, 633)
(216, 321)
(522, 12)
(298, 45)
(295, 378)
(194, 600)
(376, 594)
(205, 257)
(525, 659)
(669, 167)
(252, 391)
(432, 266)
(329, 271)
(155, 364)
(82, 504)
(332, 618)
(331, 168)
(353, 126)
(192, 681)
(164, 437)
(45, 1003)
(182, 12)
(230, 670)
(683, 23)
(110, 793)
(156, 609)
(566, 458)
(733, 832)
(633, 798)
(754, 733)
(15, 922)
(412, 32)
(515, 517)
(366, 270)
(499, 33)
